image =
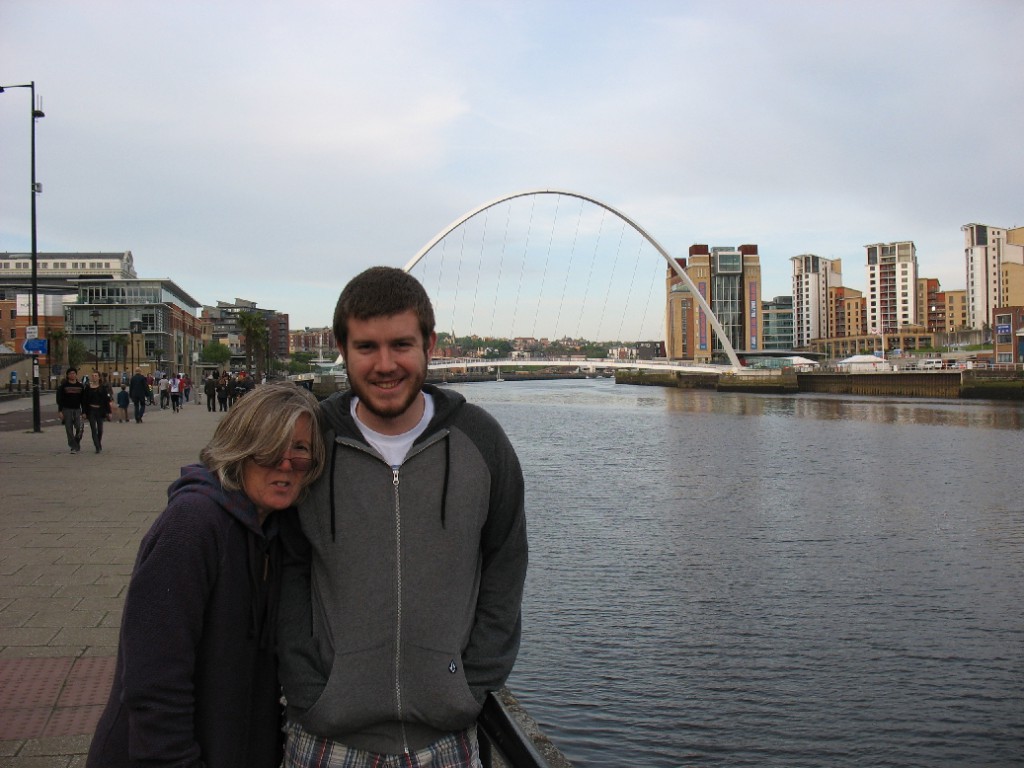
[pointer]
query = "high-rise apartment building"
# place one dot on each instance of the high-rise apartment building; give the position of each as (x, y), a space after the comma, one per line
(813, 276)
(956, 311)
(892, 286)
(986, 250)
(847, 313)
(931, 304)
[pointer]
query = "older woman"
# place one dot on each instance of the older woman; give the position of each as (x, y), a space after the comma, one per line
(196, 677)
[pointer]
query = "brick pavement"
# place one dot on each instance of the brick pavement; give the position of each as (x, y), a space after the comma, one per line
(70, 525)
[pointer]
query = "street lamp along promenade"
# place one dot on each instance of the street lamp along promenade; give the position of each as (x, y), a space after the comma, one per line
(35, 189)
(95, 315)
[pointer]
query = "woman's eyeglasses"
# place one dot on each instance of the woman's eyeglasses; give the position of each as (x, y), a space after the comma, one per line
(297, 463)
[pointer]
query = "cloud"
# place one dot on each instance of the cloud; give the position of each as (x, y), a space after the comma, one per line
(266, 148)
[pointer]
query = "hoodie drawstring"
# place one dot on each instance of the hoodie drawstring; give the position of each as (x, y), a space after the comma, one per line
(264, 567)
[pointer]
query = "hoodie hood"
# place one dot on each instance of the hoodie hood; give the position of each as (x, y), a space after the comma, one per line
(264, 558)
(195, 478)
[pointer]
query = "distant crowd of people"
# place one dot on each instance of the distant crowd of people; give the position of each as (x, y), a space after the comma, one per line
(92, 398)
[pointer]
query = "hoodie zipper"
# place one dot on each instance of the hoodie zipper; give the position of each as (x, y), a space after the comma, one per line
(398, 603)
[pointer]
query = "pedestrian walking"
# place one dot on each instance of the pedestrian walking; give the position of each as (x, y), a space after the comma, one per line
(174, 388)
(138, 391)
(223, 383)
(165, 393)
(210, 390)
(99, 402)
(69, 408)
(122, 405)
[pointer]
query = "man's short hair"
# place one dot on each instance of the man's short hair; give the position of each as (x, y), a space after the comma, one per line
(72, 370)
(382, 292)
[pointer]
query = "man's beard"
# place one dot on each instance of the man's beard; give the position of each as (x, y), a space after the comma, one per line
(366, 393)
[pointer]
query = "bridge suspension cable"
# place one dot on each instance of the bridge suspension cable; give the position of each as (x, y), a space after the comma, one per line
(555, 306)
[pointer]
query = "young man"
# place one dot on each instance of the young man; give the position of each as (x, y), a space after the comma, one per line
(69, 408)
(401, 593)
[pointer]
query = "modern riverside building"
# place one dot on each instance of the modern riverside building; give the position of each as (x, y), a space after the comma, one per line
(1009, 334)
(57, 272)
(777, 322)
(813, 276)
(956, 311)
(317, 340)
(225, 328)
(680, 318)
(167, 333)
(729, 279)
(986, 250)
(892, 286)
(847, 312)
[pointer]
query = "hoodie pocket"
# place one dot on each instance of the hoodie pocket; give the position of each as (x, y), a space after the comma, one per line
(357, 694)
(435, 690)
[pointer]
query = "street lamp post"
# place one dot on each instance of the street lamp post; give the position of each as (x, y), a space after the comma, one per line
(95, 315)
(135, 327)
(36, 114)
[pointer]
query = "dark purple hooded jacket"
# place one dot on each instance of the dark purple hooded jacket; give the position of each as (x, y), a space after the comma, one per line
(196, 682)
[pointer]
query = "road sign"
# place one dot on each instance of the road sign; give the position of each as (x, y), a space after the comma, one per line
(31, 331)
(36, 347)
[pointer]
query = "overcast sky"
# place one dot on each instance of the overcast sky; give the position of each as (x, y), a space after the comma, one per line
(270, 151)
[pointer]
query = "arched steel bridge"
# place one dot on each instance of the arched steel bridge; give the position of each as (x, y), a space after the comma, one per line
(673, 264)
(592, 364)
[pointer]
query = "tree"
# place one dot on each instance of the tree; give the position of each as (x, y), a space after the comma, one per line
(77, 352)
(251, 324)
(119, 341)
(218, 354)
(58, 340)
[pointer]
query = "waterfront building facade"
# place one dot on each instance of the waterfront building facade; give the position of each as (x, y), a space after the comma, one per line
(729, 280)
(777, 317)
(847, 312)
(892, 286)
(680, 317)
(59, 270)
(226, 329)
(318, 341)
(986, 250)
(1008, 336)
(813, 276)
(170, 332)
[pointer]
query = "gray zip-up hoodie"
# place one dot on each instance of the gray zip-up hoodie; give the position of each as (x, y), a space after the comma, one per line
(401, 594)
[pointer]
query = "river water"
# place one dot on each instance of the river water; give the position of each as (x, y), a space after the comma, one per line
(751, 580)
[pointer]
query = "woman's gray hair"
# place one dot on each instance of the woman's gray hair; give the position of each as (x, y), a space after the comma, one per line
(260, 426)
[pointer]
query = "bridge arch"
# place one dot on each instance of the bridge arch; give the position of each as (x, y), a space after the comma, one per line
(672, 263)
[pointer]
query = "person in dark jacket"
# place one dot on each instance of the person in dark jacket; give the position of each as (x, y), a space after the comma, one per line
(210, 390)
(69, 408)
(404, 569)
(196, 683)
(97, 401)
(138, 390)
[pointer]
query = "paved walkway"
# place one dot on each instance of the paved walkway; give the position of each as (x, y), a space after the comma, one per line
(70, 526)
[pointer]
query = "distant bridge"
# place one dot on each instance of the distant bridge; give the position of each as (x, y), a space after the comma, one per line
(589, 365)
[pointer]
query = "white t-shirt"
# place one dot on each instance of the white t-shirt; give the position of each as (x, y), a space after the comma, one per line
(394, 448)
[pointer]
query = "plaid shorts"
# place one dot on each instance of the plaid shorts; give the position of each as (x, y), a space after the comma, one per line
(304, 750)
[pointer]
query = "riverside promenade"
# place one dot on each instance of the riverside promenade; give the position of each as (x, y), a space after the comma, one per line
(70, 526)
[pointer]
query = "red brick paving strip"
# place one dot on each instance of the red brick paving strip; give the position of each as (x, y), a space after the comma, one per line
(43, 697)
